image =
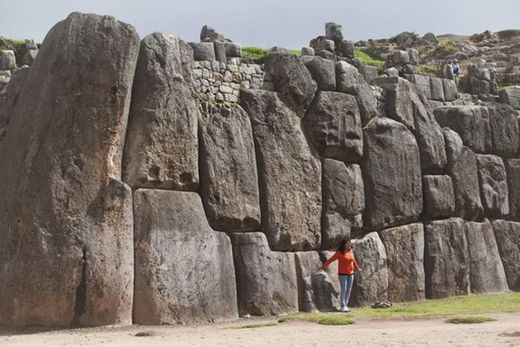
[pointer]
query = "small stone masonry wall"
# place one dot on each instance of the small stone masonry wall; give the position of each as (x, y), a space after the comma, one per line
(141, 202)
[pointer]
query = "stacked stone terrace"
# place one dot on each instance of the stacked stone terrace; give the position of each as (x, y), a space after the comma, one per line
(128, 198)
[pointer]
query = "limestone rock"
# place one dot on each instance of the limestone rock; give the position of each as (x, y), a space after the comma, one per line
(323, 72)
(392, 175)
(405, 252)
(228, 175)
(208, 33)
(322, 43)
(439, 198)
(367, 102)
(371, 283)
(346, 49)
(513, 183)
(201, 50)
(233, 50)
(446, 259)
(334, 32)
(463, 170)
(470, 122)
(343, 202)
(266, 281)
(505, 135)
(510, 96)
(29, 56)
(437, 88)
(183, 270)
(307, 51)
(7, 60)
(161, 149)
(422, 83)
(292, 80)
(508, 240)
(450, 89)
(347, 78)
(398, 103)
(334, 125)
(66, 255)
(486, 270)
(318, 290)
(289, 174)
(493, 185)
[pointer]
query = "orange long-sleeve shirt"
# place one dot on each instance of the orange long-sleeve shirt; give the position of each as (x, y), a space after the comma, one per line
(346, 262)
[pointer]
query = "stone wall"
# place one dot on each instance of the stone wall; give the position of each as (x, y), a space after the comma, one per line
(137, 198)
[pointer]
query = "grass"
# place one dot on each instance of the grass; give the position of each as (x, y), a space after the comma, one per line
(256, 325)
(470, 320)
(458, 305)
(427, 69)
(367, 59)
(18, 46)
(252, 54)
(444, 49)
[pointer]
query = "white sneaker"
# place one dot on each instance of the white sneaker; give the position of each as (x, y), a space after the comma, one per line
(344, 309)
(347, 309)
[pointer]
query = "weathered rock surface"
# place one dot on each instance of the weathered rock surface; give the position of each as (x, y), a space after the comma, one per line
(289, 174)
(317, 290)
(161, 149)
(405, 253)
(334, 125)
(470, 122)
(493, 185)
(513, 183)
(202, 50)
(347, 78)
(510, 96)
(446, 259)
(292, 80)
(343, 202)
(392, 175)
(228, 174)
(439, 198)
(463, 170)
(371, 283)
(507, 236)
(183, 270)
(266, 281)
(323, 72)
(505, 136)
(486, 269)
(66, 253)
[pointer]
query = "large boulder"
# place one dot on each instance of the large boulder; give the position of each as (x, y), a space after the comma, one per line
(446, 259)
(183, 270)
(510, 96)
(507, 236)
(470, 122)
(513, 183)
(66, 256)
(289, 174)
(371, 283)
(343, 202)
(161, 149)
(493, 185)
(317, 290)
(486, 270)
(323, 72)
(398, 99)
(505, 136)
(266, 280)
(463, 170)
(439, 198)
(392, 175)
(292, 80)
(405, 253)
(334, 125)
(228, 175)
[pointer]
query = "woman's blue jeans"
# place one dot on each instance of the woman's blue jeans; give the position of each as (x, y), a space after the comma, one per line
(345, 283)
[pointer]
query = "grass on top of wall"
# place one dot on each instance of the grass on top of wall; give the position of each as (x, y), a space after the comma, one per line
(367, 59)
(458, 305)
(256, 55)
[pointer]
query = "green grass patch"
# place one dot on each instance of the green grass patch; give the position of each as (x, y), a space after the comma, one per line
(470, 320)
(18, 46)
(256, 325)
(427, 69)
(324, 318)
(367, 59)
(256, 55)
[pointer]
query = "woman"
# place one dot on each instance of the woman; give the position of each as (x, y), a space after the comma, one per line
(347, 265)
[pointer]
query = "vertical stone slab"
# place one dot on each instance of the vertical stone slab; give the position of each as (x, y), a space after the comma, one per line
(486, 270)
(228, 174)
(343, 202)
(446, 259)
(161, 149)
(505, 135)
(513, 184)
(439, 198)
(463, 170)
(317, 290)
(289, 174)
(371, 283)
(493, 185)
(266, 281)
(183, 269)
(405, 253)
(392, 175)
(507, 235)
(66, 256)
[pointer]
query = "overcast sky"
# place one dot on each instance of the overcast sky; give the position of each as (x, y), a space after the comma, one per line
(267, 23)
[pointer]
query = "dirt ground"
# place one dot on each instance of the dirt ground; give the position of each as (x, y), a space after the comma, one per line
(505, 331)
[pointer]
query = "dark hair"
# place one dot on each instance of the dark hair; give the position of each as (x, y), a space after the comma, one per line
(344, 245)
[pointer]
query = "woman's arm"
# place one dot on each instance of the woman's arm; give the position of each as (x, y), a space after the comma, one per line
(329, 261)
(356, 267)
